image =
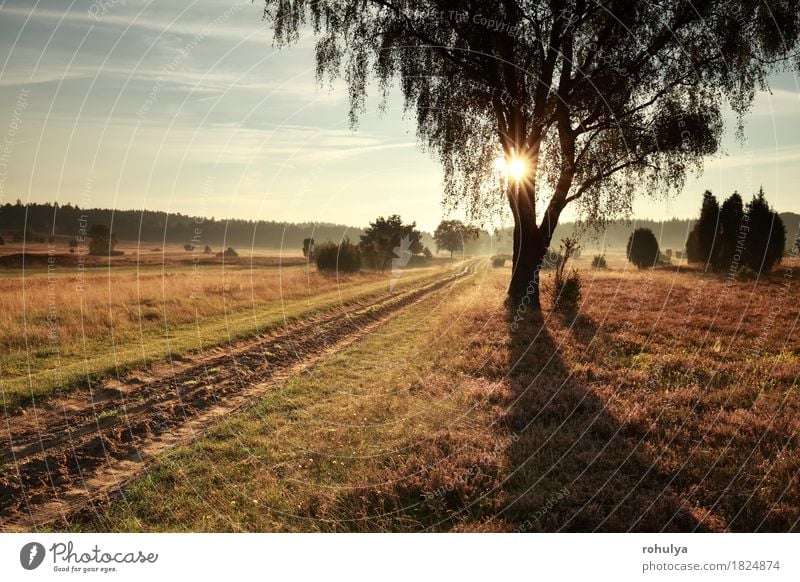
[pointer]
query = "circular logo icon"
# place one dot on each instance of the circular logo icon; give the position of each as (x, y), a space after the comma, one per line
(31, 555)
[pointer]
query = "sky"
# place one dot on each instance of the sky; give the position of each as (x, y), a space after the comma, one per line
(187, 106)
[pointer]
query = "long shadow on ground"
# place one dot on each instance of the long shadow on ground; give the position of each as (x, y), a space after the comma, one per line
(572, 466)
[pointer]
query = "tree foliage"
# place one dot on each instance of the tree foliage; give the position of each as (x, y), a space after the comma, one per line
(451, 235)
(642, 249)
(386, 238)
(766, 238)
(103, 240)
(731, 216)
(342, 258)
(599, 99)
(732, 237)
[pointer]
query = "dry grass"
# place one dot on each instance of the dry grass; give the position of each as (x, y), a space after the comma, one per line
(670, 404)
(56, 330)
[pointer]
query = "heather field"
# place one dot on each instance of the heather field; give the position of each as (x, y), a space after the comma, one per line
(669, 403)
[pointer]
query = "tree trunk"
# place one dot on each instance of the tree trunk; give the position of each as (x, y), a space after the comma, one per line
(529, 250)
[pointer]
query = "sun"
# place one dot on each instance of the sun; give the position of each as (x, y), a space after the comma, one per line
(514, 168)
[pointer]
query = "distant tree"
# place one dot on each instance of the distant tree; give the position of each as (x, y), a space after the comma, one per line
(642, 249)
(188, 247)
(103, 240)
(207, 250)
(592, 101)
(308, 248)
(342, 258)
(693, 254)
(730, 227)
(766, 239)
(707, 227)
(386, 237)
(427, 253)
(229, 252)
(451, 235)
(73, 243)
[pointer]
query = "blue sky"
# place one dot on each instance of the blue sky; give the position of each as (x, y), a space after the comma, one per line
(187, 107)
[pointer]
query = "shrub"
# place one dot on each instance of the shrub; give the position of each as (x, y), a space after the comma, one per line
(229, 252)
(73, 243)
(498, 261)
(599, 262)
(308, 248)
(566, 289)
(567, 292)
(103, 241)
(342, 258)
(642, 249)
(426, 252)
(207, 250)
(188, 247)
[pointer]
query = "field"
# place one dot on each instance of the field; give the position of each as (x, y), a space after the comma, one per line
(669, 403)
(67, 326)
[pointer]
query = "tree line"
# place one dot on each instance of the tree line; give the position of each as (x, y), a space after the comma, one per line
(743, 239)
(38, 222)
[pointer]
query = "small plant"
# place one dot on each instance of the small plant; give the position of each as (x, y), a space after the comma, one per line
(566, 288)
(342, 258)
(599, 262)
(568, 293)
(498, 261)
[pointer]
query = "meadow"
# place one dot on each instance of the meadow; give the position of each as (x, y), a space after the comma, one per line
(669, 403)
(64, 327)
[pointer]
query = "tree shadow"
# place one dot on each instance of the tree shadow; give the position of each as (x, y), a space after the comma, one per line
(572, 465)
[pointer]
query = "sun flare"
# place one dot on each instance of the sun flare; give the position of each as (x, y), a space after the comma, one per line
(514, 168)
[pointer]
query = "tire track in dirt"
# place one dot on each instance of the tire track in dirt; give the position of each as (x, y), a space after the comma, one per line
(72, 453)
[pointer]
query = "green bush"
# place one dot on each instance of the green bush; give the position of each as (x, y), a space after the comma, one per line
(342, 258)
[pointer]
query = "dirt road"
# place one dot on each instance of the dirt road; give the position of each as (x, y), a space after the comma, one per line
(69, 454)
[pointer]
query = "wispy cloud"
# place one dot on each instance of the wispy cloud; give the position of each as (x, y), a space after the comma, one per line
(205, 27)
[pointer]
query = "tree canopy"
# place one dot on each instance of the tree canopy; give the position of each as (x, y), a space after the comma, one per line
(597, 100)
(386, 239)
(451, 235)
